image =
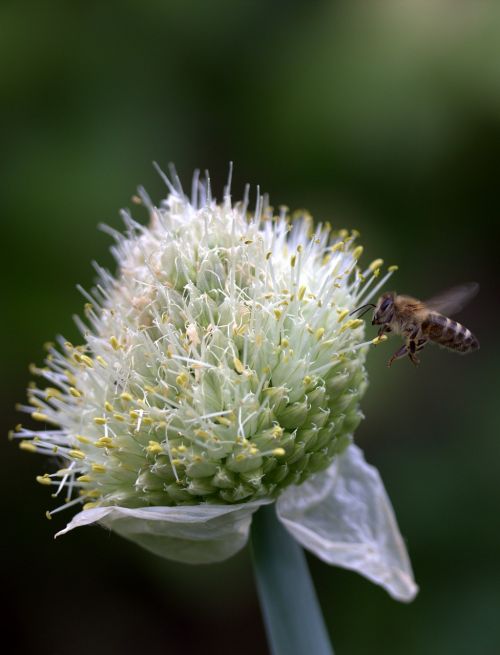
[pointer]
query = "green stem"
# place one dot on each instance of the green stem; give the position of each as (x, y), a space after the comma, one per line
(292, 615)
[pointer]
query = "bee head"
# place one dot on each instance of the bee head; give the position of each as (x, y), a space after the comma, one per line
(384, 311)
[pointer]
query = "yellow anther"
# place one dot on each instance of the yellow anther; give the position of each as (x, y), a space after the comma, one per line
(68, 345)
(100, 420)
(102, 361)
(104, 442)
(154, 447)
(238, 365)
(133, 414)
(98, 468)
(352, 324)
(90, 505)
(293, 260)
(223, 420)
(393, 268)
(307, 380)
(203, 434)
(118, 417)
(115, 344)
(240, 457)
(376, 263)
(254, 451)
(90, 493)
(84, 478)
(28, 446)
(277, 314)
(182, 448)
(357, 252)
(355, 234)
(379, 339)
(278, 452)
(342, 315)
(302, 291)
(338, 246)
(126, 397)
(319, 333)
(325, 259)
(268, 255)
(108, 406)
(48, 515)
(177, 462)
(39, 416)
(147, 420)
(75, 393)
(277, 432)
(50, 392)
(149, 388)
(285, 343)
(182, 379)
(76, 454)
(87, 361)
(82, 439)
(44, 479)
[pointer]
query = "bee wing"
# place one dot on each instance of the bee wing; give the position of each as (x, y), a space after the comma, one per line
(454, 299)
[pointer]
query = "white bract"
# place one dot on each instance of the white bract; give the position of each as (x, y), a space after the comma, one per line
(220, 371)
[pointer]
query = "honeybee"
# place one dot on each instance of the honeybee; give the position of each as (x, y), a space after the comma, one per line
(419, 322)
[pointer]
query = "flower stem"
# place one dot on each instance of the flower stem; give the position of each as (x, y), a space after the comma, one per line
(292, 615)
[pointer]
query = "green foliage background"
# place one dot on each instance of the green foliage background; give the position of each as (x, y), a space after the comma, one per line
(382, 116)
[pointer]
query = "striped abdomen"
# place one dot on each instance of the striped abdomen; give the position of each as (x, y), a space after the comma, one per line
(449, 333)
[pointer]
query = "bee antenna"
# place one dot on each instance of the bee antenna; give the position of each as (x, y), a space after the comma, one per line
(365, 307)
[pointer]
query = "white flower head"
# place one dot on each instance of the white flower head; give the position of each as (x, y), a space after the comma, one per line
(218, 371)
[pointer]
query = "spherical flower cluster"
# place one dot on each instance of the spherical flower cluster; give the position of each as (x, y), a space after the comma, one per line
(219, 367)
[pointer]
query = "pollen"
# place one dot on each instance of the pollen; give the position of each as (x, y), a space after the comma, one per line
(238, 365)
(115, 344)
(376, 263)
(154, 447)
(357, 252)
(39, 416)
(76, 454)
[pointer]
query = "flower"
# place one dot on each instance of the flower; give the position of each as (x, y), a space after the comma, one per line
(220, 371)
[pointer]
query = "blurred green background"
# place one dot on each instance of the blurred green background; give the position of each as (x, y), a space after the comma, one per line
(381, 116)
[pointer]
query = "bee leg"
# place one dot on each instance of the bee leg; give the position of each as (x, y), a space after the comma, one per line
(398, 354)
(413, 346)
(384, 328)
(421, 343)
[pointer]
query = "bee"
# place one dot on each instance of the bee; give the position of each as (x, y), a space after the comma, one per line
(420, 322)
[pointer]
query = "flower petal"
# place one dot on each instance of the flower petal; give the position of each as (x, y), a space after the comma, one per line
(194, 534)
(345, 517)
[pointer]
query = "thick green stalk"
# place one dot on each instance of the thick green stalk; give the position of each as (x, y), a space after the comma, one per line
(292, 615)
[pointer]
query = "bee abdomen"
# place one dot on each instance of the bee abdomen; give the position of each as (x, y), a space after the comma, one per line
(449, 333)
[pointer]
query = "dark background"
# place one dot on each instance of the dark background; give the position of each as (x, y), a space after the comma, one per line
(381, 116)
